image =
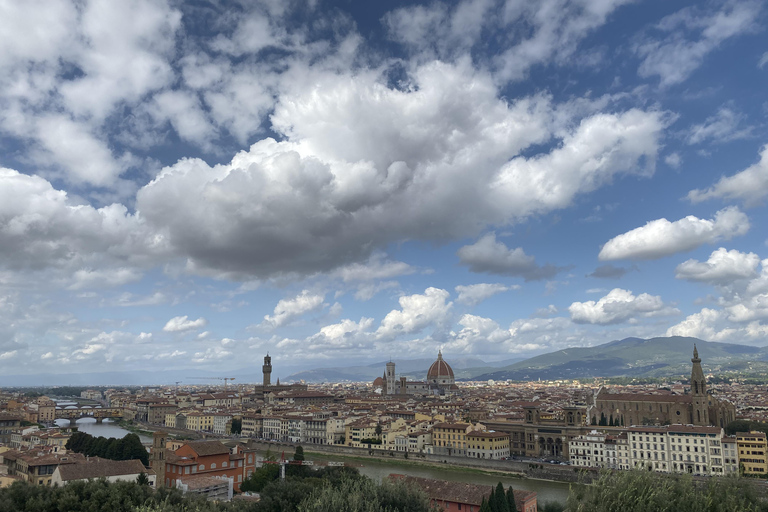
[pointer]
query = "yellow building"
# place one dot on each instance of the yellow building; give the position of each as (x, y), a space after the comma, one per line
(488, 445)
(752, 448)
(359, 430)
(451, 438)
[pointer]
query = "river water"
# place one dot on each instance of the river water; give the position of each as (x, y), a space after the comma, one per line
(378, 470)
(546, 490)
(106, 429)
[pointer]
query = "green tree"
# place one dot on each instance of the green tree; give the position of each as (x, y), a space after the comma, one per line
(511, 499)
(259, 479)
(299, 453)
(365, 495)
(498, 500)
(142, 479)
(378, 431)
(237, 426)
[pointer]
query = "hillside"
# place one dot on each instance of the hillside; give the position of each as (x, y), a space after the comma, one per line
(630, 357)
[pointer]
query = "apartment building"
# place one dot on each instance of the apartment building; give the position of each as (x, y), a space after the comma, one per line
(730, 455)
(752, 449)
(488, 445)
(251, 426)
(696, 449)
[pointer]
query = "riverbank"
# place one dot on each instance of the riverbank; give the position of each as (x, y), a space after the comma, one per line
(134, 429)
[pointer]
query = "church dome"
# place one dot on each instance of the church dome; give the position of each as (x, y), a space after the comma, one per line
(378, 382)
(440, 369)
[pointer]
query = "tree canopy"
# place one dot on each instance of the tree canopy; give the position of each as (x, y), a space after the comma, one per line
(638, 490)
(127, 448)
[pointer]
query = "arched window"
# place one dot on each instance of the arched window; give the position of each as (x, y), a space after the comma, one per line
(213, 465)
(201, 467)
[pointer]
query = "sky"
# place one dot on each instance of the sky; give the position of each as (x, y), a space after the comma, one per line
(197, 184)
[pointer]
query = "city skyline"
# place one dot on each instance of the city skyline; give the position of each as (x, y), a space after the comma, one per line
(196, 185)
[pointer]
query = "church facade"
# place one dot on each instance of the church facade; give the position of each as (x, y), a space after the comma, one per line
(698, 407)
(440, 380)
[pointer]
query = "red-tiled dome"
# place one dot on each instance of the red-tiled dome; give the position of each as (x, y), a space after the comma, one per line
(379, 382)
(440, 369)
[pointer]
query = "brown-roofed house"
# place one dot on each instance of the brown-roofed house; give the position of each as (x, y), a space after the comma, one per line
(112, 470)
(462, 496)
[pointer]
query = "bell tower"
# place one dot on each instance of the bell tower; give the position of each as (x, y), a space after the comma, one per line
(699, 397)
(157, 457)
(390, 379)
(267, 371)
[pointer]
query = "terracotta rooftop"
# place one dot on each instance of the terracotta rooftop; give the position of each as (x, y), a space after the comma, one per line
(101, 468)
(203, 448)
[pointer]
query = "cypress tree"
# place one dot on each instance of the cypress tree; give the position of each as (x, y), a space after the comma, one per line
(511, 499)
(503, 505)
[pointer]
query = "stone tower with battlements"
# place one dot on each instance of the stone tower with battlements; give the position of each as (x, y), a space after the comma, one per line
(267, 371)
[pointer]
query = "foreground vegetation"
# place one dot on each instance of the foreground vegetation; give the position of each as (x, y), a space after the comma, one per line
(342, 489)
(643, 491)
(331, 490)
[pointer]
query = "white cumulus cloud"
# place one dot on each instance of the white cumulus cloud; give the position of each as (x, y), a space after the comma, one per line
(722, 267)
(416, 313)
(288, 310)
(749, 185)
(183, 323)
(474, 294)
(659, 238)
(619, 306)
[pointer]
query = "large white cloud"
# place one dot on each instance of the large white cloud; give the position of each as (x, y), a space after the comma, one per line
(659, 238)
(722, 267)
(288, 310)
(417, 312)
(619, 306)
(366, 165)
(749, 185)
(42, 227)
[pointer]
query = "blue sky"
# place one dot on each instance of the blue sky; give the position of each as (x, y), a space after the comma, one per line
(192, 185)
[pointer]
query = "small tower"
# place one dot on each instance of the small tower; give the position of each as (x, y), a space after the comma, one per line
(157, 457)
(699, 397)
(267, 371)
(390, 379)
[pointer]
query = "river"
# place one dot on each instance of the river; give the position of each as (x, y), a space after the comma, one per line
(105, 429)
(546, 490)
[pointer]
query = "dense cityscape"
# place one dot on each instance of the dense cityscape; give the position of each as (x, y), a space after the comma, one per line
(208, 440)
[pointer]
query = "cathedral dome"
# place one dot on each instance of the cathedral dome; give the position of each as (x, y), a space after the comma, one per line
(440, 369)
(379, 382)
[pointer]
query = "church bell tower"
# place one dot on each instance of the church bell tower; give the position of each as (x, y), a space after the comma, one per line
(699, 397)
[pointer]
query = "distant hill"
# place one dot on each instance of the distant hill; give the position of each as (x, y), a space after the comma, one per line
(413, 369)
(630, 357)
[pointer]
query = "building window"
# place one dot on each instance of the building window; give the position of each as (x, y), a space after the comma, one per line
(201, 467)
(213, 465)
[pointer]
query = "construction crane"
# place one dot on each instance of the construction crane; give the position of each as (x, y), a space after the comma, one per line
(225, 379)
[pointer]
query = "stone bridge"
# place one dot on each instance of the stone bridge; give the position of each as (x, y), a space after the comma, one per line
(99, 413)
